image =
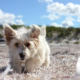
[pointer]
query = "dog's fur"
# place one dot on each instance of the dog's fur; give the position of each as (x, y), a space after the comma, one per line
(32, 43)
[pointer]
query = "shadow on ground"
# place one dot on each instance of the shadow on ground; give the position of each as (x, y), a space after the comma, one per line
(3, 69)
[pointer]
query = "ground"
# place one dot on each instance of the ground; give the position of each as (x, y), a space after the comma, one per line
(62, 65)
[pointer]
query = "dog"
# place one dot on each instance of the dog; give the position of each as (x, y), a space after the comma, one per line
(28, 47)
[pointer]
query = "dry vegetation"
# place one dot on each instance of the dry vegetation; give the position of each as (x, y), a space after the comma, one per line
(62, 66)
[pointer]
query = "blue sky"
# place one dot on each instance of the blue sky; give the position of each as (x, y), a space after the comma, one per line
(63, 13)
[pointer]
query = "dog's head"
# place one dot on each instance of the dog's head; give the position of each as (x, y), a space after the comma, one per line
(23, 44)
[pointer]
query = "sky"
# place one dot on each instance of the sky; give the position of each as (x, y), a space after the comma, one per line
(61, 13)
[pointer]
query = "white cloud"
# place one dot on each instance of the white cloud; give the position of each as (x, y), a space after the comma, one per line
(55, 24)
(68, 22)
(59, 9)
(70, 18)
(6, 18)
(19, 22)
(9, 18)
(78, 20)
(51, 16)
(20, 16)
(47, 1)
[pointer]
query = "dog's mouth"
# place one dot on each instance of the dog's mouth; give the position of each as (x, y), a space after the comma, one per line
(22, 60)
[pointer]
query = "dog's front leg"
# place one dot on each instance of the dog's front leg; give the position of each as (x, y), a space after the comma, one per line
(47, 61)
(16, 67)
(35, 62)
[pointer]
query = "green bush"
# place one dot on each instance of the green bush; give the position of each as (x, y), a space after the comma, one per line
(59, 41)
(76, 42)
(62, 32)
(16, 26)
(49, 35)
(67, 42)
(1, 36)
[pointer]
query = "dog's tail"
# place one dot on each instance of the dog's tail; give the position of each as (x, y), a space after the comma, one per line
(43, 31)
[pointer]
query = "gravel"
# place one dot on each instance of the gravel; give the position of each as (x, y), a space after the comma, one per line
(62, 65)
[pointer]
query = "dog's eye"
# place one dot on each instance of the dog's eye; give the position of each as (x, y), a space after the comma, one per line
(17, 44)
(27, 44)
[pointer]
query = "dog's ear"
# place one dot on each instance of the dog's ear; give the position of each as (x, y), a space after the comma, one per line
(35, 32)
(43, 31)
(9, 33)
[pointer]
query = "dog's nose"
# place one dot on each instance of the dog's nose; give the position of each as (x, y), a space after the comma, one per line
(22, 56)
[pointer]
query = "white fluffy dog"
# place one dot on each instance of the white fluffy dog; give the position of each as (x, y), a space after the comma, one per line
(28, 47)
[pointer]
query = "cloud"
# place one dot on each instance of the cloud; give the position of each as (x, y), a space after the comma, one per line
(70, 18)
(55, 24)
(20, 16)
(78, 20)
(6, 18)
(19, 22)
(65, 23)
(51, 16)
(68, 22)
(56, 10)
(61, 9)
(47, 1)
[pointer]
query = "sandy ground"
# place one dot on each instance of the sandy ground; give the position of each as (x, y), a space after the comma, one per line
(62, 66)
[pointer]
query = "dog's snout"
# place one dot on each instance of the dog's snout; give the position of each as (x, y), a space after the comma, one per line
(22, 56)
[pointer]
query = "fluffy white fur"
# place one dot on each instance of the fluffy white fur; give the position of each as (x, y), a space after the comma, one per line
(78, 67)
(36, 54)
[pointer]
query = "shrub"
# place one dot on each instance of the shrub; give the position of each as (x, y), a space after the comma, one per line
(1, 36)
(16, 26)
(67, 42)
(59, 40)
(76, 42)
